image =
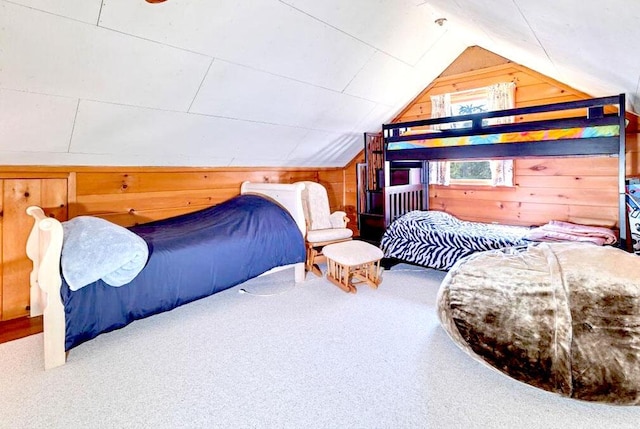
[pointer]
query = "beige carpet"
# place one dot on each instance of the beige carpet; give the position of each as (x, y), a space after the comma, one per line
(305, 356)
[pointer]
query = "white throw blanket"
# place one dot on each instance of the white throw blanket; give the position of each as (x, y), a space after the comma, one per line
(95, 249)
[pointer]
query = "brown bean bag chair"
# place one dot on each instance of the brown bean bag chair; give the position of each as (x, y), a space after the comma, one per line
(564, 317)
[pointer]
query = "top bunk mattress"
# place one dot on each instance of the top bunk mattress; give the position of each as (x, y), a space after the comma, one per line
(511, 137)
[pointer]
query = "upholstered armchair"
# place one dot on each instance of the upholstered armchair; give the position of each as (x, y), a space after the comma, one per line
(323, 227)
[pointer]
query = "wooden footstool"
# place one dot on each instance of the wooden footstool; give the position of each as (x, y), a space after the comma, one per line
(353, 260)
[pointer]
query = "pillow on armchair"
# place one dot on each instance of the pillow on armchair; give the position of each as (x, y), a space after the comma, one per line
(323, 227)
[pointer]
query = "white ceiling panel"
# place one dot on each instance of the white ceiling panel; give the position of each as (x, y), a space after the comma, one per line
(383, 79)
(34, 122)
(319, 148)
(569, 32)
(234, 91)
(108, 128)
(447, 48)
(268, 82)
(69, 58)
(499, 18)
(267, 35)
(80, 10)
(554, 38)
(381, 114)
(496, 25)
(399, 28)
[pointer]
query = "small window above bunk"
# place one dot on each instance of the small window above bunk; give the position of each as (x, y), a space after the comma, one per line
(481, 172)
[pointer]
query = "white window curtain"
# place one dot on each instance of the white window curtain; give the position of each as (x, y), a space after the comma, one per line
(500, 96)
(439, 171)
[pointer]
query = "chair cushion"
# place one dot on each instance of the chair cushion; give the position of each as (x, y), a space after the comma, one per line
(337, 219)
(352, 253)
(330, 234)
(316, 206)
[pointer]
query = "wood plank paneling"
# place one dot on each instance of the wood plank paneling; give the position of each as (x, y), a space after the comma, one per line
(560, 196)
(53, 198)
(92, 183)
(18, 195)
(569, 182)
(138, 196)
(633, 155)
(138, 217)
(581, 166)
(1, 246)
(98, 204)
(351, 191)
(502, 212)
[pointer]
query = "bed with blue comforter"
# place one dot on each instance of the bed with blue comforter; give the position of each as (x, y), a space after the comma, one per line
(189, 257)
(438, 240)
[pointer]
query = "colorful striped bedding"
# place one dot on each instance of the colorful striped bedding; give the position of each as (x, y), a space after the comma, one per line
(513, 137)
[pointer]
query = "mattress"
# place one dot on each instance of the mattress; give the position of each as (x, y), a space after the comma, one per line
(438, 240)
(190, 257)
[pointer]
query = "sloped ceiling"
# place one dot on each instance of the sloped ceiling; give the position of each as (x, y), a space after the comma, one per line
(266, 82)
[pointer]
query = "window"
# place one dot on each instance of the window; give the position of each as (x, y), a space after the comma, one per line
(468, 103)
(478, 172)
(469, 172)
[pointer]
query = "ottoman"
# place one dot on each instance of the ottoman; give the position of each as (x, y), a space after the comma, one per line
(351, 262)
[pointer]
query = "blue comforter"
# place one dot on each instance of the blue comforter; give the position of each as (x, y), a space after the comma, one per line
(190, 257)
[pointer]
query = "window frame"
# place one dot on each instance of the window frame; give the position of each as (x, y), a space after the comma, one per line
(469, 97)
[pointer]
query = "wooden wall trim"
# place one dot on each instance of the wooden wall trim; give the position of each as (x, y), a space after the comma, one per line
(28, 171)
(19, 173)
(1, 246)
(71, 195)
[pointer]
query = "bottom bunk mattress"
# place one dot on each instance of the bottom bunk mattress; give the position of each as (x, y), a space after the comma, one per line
(563, 317)
(190, 256)
(438, 240)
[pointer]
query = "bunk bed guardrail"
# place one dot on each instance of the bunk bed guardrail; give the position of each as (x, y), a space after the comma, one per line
(402, 199)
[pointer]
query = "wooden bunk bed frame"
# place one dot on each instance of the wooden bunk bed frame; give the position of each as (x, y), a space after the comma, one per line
(601, 112)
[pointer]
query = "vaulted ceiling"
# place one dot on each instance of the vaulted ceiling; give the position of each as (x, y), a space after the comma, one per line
(267, 82)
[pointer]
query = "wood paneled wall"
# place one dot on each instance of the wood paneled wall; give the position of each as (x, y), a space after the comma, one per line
(571, 189)
(132, 196)
(16, 194)
(343, 189)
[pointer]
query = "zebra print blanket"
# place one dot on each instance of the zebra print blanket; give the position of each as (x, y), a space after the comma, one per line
(438, 240)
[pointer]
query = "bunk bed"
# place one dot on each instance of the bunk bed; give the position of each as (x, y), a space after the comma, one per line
(552, 315)
(599, 131)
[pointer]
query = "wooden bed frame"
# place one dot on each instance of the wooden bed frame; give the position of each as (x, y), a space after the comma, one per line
(402, 199)
(44, 248)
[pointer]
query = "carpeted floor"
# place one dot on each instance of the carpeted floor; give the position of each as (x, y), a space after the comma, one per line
(304, 356)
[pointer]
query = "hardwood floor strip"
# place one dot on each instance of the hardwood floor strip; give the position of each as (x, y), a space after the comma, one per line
(19, 328)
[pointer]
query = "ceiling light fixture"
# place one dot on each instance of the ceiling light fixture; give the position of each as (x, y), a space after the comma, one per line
(155, 1)
(439, 21)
